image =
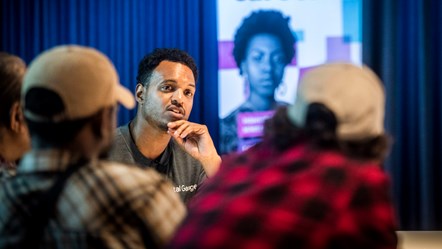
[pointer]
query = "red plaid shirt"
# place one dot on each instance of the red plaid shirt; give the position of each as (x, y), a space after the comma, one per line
(296, 198)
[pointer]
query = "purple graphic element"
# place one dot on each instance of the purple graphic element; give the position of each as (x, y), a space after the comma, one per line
(225, 56)
(226, 59)
(338, 49)
(304, 70)
(250, 124)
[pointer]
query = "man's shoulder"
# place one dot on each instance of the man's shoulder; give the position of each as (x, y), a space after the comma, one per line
(230, 119)
(121, 135)
(121, 130)
(120, 150)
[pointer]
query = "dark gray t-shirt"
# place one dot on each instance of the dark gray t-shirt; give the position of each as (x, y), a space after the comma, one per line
(183, 170)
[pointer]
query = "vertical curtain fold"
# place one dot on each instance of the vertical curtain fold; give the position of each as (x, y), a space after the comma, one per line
(125, 31)
(402, 44)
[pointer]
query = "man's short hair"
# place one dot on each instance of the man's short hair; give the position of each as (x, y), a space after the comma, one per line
(264, 21)
(12, 70)
(151, 61)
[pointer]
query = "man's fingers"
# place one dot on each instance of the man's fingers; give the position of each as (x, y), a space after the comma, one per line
(181, 131)
(184, 128)
(176, 124)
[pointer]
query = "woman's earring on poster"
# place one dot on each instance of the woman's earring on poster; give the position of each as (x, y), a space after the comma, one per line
(282, 89)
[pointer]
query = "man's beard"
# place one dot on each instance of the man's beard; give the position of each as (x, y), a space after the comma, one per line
(163, 126)
(160, 124)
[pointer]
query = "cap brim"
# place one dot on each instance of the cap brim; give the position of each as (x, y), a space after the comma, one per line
(125, 97)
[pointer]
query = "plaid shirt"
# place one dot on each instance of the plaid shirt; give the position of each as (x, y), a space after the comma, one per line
(297, 198)
(98, 203)
(7, 169)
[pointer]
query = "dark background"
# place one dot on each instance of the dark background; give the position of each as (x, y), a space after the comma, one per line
(401, 42)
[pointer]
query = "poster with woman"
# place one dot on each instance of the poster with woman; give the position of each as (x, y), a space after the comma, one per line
(265, 46)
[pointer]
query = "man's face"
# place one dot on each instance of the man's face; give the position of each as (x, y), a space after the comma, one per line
(168, 96)
(264, 64)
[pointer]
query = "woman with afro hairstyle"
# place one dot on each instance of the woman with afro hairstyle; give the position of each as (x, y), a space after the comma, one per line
(263, 47)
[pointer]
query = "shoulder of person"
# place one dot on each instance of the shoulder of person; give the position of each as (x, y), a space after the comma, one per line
(122, 128)
(372, 172)
(361, 170)
(230, 117)
(245, 107)
(130, 173)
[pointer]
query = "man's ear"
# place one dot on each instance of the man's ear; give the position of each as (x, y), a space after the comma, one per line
(17, 121)
(139, 93)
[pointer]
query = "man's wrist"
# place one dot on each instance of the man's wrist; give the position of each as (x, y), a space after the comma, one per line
(211, 165)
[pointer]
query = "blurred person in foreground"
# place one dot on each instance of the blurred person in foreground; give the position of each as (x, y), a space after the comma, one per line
(14, 134)
(315, 181)
(64, 195)
(160, 136)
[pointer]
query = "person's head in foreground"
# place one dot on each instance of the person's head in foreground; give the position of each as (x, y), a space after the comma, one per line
(70, 96)
(63, 195)
(341, 106)
(315, 181)
(14, 135)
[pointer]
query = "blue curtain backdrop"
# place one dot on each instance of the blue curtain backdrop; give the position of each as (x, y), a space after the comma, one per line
(125, 31)
(401, 39)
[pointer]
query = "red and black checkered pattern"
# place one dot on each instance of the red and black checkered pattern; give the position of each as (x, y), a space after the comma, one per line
(296, 198)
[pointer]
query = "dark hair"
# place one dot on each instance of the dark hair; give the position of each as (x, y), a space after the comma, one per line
(151, 61)
(47, 103)
(264, 21)
(12, 70)
(320, 132)
(55, 134)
